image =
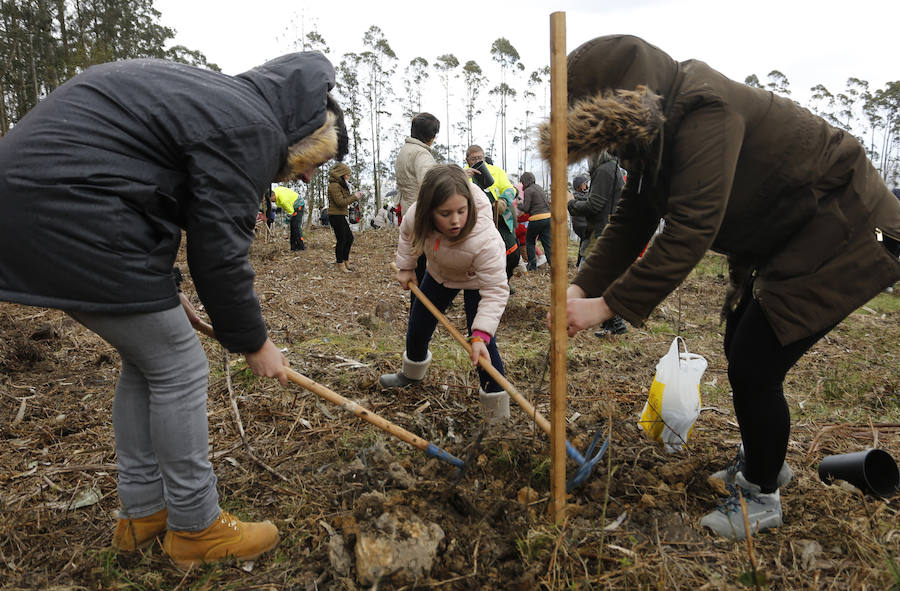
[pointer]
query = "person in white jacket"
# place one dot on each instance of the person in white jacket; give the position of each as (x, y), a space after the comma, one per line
(452, 224)
(413, 161)
(381, 218)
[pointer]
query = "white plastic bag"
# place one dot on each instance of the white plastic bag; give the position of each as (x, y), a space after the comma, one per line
(673, 403)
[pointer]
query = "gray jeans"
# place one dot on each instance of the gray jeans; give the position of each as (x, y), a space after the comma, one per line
(159, 416)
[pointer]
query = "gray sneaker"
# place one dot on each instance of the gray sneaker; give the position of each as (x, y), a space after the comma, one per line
(785, 475)
(763, 511)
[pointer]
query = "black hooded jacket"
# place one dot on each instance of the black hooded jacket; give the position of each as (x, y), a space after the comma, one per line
(98, 181)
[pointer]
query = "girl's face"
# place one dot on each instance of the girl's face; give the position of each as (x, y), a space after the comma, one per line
(451, 215)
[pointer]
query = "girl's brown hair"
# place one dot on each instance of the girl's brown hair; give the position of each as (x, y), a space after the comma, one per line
(441, 182)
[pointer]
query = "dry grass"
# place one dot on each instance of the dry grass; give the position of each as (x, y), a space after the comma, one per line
(55, 398)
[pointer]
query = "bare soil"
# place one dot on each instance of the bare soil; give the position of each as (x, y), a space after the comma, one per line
(633, 525)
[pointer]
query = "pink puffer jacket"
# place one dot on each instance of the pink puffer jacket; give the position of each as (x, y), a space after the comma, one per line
(476, 262)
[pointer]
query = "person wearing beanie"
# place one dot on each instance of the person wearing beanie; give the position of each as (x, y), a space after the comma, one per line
(127, 156)
(339, 197)
(535, 204)
(793, 202)
(495, 183)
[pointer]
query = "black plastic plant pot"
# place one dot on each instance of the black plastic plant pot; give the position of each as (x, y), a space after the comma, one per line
(873, 471)
(484, 179)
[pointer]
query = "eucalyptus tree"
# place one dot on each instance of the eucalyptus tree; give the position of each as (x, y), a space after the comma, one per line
(474, 80)
(314, 41)
(503, 52)
(885, 103)
(30, 60)
(43, 43)
(379, 60)
(850, 102)
(349, 88)
(502, 92)
(875, 120)
(414, 77)
(821, 102)
(316, 190)
(538, 83)
(445, 64)
(778, 83)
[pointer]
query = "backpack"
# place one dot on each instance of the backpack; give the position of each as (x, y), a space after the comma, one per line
(354, 213)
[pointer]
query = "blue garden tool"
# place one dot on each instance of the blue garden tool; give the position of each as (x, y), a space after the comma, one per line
(363, 413)
(585, 466)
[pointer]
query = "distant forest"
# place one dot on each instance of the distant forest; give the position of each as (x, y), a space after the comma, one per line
(45, 42)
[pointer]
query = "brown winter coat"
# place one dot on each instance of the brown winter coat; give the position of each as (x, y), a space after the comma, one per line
(339, 196)
(732, 168)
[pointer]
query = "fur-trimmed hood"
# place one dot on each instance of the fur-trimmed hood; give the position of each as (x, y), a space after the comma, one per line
(620, 87)
(337, 171)
(623, 122)
(296, 86)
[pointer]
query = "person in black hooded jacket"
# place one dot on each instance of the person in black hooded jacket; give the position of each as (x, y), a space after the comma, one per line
(123, 158)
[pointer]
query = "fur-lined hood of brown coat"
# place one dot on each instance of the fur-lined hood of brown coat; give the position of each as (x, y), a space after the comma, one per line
(731, 168)
(622, 122)
(618, 88)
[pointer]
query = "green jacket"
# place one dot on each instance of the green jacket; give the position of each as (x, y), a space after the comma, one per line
(502, 190)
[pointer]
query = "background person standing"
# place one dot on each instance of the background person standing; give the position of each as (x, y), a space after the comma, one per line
(339, 197)
(292, 204)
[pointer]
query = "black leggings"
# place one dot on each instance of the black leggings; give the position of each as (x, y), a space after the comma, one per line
(343, 236)
(757, 365)
(422, 324)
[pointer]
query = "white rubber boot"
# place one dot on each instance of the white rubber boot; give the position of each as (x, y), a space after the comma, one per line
(494, 406)
(411, 372)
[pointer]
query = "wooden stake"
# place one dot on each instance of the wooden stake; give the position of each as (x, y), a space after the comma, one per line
(559, 262)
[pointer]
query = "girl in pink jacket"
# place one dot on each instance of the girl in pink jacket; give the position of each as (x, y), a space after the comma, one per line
(451, 223)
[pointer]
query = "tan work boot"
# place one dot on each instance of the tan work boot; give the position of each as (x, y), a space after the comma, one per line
(346, 267)
(226, 537)
(134, 534)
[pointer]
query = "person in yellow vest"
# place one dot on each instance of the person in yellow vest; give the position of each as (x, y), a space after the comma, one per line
(501, 193)
(292, 204)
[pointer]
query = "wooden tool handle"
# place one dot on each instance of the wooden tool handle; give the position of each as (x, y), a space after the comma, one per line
(483, 362)
(363, 413)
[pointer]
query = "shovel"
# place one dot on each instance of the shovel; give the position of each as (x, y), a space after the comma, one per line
(363, 413)
(585, 467)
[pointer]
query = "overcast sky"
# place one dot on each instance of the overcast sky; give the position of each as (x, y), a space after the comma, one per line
(811, 42)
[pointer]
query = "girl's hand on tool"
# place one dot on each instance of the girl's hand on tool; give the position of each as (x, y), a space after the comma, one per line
(404, 277)
(582, 313)
(479, 349)
(268, 362)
